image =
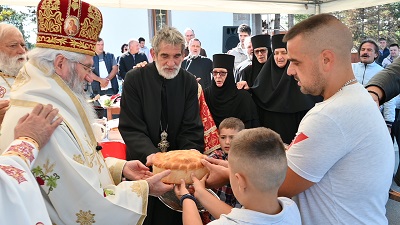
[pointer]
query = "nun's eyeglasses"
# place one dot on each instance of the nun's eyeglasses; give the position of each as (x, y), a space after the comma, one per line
(221, 74)
(260, 51)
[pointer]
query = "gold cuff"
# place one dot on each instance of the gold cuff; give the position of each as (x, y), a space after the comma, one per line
(31, 140)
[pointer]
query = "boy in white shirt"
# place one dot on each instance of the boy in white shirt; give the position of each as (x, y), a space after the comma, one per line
(257, 168)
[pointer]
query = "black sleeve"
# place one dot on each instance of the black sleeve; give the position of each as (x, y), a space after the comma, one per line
(191, 133)
(207, 81)
(132, 123)
(122, 67)
(388, 80)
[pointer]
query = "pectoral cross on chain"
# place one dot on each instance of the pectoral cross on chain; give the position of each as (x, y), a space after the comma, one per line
(164, 144)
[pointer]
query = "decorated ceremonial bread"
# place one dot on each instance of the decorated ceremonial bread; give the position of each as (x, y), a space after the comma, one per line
(182, 164)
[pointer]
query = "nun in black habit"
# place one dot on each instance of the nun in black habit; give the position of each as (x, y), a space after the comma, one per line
(224, 99)
(261, 52)
(280, 103)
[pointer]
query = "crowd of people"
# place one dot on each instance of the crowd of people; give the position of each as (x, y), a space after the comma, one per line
(292, 113)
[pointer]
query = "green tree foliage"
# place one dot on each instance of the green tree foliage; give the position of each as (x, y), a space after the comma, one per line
(21, 20)
(372, 23)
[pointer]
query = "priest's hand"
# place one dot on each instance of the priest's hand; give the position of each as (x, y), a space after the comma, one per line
(242, 85)
(39, 124)
(219, 172)
(4, 104)
(135, 170)
(156, 186)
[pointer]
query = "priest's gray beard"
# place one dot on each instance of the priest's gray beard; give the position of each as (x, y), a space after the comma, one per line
(162, 70)
(77, 88)
(11, 66)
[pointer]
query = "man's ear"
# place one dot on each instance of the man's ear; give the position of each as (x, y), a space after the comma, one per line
(59, 64)
(152, 53)
(328, 60)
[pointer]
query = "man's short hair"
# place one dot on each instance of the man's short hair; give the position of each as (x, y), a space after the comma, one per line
(188, 29)
(376, 47)
(308, 26)
(260, 155)
(194, 39)
(244, 28)
(141, 39)
(231, 123)
(99, 39)
(168, 35)
(382, 39)
(131, 41)
(394, 45)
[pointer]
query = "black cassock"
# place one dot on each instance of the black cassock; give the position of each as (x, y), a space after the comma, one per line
(140, 123)
(228, 101)
(281, 105)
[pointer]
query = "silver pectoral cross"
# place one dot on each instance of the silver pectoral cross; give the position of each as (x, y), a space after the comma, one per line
(164, 144)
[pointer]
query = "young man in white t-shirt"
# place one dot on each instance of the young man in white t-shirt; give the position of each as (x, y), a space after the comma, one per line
(341, 161)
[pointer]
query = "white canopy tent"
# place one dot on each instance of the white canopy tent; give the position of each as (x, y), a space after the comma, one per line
(235, 6)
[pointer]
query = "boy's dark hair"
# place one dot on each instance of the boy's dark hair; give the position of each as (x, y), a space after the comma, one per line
(382, 39)
(259, 153)
(393, 45)
(244, 28)
(231, 123)
(99, 39)
(141, 39)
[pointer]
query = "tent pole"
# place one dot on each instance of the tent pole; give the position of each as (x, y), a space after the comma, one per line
(317, 9)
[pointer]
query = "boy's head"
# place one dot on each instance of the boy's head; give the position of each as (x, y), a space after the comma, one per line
(228, 128)
(257, 158)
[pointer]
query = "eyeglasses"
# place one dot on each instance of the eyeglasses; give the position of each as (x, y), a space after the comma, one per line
(221, 74)
(262, 51)
(88, 68)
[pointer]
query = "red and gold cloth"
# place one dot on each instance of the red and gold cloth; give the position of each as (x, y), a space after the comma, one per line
(211, 138)
(70, 25)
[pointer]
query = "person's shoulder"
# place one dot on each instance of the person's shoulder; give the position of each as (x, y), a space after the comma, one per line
(189, 77)
(248, 68)
(142, 54)
(204, 58)
(109, 54)
(245, 95)
(141, 73)
(126, 54)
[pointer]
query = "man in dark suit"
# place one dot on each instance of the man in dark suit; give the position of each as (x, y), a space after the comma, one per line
(131, 58)
(189, 35)
(197, 64)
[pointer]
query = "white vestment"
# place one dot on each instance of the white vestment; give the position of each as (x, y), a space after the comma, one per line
(77, 184)
(6, 82)
(21, 201)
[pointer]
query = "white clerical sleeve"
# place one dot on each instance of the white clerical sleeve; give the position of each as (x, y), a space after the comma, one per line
(20, 197)
(78, 186)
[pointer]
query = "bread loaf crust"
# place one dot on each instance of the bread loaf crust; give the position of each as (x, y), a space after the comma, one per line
(182, 164)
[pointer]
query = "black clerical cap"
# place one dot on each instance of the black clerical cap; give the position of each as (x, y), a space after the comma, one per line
(277, 42)
(261, 40)
(223, 61)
